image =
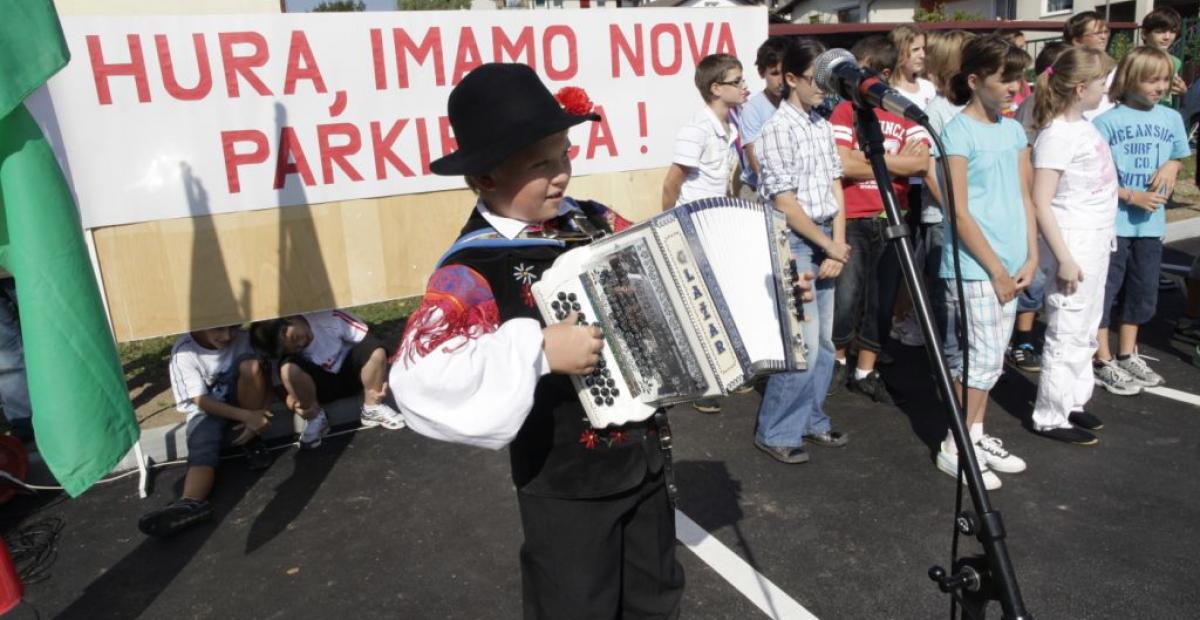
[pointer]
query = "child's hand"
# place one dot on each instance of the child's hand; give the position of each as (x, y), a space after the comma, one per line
(1178, 86)
(1163, 181)
(804, 282)
(572, 349)
(838, 251)
(829, 269)
(1069, 276)
(1149, 201)
(1024, 276)
(1005, 287)
(915, 147)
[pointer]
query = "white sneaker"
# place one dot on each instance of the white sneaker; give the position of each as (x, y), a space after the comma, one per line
(314, 432)
(1112, 378)
(381, 415)
(991, 450)
(948, 463)
(1137, 368)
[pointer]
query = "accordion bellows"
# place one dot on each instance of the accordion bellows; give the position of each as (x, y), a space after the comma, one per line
(694, 303)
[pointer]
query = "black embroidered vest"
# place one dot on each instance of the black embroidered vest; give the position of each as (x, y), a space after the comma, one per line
(557, 453)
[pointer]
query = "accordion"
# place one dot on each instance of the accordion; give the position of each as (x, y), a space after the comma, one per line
(694, 303)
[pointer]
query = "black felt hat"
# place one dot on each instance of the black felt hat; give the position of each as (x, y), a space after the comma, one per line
(496, 110)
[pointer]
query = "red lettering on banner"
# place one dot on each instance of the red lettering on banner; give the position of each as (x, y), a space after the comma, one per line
(243, 65)
(381, 145)
(600, 136)
(673, 46)
(377, 59)
(552, 72)
(725, 41)
(449, 142)
(698, 50)
(101, 71)
(331, 154)
(431, 44)
(423, 146)
(466, 47)
(299, 52)
(170, 83)
(618, 44)
(502, 45)
(291, 159)
(233, 159)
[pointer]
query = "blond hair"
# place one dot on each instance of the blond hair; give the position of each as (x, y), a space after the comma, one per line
(943, 56)
(902, 37)
(1055, 89)
(1139, 65)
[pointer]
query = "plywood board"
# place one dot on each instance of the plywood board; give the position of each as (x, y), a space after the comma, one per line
(171, 276)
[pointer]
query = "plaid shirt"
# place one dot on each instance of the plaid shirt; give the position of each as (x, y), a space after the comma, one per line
(797, 153)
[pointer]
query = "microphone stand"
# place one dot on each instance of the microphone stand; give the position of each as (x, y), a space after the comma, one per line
(976, 580)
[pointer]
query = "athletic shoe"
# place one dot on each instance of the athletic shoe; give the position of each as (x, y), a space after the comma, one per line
(829, 439)
(1188, 329)
(838, 382)
(1024, 357)
(908, 332)
(707, 405)
(791, 456)
(314, 432)
(872, 387)
(1165, 283)
(1085, 420)
(1137, 368)
(1112, 378)
(381, 415)
(175, 517)
(991, 450)
(948, 463)
(1068, 434)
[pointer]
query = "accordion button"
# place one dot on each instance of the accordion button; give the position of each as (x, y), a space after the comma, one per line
(608, 401)
(601, 363)
(571, 297)
(603, 391)
(604, 371)
(562, 296)
(576, 307)
(611, 383)
(599, 400)
(598, 392)
(616, 392)
(588, 381)
(556, 305)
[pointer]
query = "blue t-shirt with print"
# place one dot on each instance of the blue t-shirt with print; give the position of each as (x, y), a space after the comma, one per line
(994, 195)
(1141, 141)
(754, 114)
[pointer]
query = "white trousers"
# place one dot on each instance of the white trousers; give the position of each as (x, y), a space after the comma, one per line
(1067, 380)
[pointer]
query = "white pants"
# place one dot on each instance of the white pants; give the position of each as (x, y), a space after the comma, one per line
(1071, 322)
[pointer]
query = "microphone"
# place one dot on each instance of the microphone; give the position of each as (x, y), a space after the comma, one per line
(836, 71)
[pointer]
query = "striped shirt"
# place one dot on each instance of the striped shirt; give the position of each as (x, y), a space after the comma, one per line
(796, 153)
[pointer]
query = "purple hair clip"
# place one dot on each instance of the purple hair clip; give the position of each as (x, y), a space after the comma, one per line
(1049, 71)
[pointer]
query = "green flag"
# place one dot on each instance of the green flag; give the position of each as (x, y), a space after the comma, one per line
(82, 417)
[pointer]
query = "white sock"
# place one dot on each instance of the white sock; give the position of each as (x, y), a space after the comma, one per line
(840, 360)
(860, 374)
(976, 432)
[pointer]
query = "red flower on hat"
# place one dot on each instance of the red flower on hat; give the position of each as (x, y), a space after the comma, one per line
(574, 100)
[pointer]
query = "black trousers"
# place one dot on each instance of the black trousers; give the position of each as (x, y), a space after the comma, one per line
(605, 558)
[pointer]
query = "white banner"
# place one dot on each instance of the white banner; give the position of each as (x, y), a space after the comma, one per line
(170, 116)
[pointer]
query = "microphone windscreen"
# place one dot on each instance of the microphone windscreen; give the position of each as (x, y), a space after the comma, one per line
(823, 67)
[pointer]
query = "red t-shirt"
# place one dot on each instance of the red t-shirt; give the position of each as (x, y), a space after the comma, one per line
(862, 197)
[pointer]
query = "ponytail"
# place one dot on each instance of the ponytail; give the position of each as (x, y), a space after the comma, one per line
(984, 56)
(1055, 90)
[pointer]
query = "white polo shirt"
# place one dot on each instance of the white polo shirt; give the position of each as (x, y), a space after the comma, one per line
(706, 148)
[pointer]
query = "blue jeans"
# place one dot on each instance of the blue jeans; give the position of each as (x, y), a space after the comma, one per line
(793, 403)
(1031, 299)
(14, 390)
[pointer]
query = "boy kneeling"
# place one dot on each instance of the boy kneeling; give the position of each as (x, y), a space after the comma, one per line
(323, 357)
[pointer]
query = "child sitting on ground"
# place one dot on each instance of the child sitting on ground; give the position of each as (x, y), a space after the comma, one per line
(322, 357)
(221, 385)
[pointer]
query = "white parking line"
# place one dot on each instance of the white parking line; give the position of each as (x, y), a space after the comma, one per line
(752, 584)
(1179, 395)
